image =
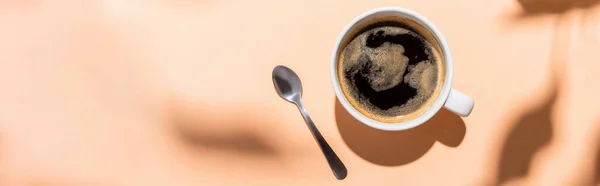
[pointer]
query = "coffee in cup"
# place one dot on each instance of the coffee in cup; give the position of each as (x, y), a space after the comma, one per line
(390, 69)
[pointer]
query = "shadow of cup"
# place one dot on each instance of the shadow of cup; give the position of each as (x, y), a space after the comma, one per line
(393, 148)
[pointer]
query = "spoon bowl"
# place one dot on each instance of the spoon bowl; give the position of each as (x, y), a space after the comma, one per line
(287, 83)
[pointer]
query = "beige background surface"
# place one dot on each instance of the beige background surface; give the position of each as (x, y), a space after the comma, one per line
(160, 92)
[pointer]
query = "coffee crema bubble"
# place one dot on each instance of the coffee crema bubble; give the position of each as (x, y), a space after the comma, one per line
(389, 72)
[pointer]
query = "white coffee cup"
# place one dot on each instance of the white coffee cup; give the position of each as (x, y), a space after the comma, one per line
(449, 98)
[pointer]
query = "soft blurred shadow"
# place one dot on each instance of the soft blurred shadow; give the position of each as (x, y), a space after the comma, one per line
(239, 141)
(534, 129)
(583, 177)
(197, 129)
(529, 134)
(537, 8)
(540, 7)
(596, 178)
(392, 148)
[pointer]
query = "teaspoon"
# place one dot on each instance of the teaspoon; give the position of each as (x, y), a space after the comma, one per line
(289, 87)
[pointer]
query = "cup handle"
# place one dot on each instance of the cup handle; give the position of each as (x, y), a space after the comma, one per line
(459, 103)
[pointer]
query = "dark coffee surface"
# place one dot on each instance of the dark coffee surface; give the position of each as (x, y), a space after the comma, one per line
(388, 71)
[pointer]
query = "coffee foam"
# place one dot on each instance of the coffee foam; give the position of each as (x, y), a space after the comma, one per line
(389, 67)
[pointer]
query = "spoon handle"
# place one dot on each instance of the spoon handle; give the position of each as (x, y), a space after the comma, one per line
(336, 165)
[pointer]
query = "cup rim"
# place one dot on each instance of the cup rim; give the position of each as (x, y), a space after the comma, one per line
(446, 87)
